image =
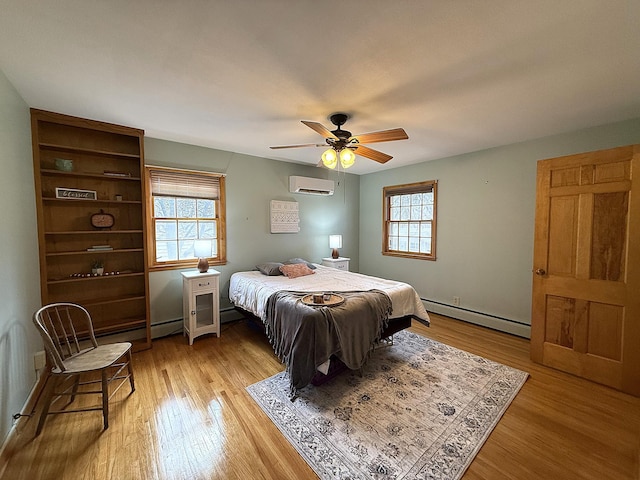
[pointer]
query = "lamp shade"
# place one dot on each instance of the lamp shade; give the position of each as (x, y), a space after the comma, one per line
(330, 158)
(347, 157)
(335, 241)
(202, 250)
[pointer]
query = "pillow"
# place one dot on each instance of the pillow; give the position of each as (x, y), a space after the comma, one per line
(300, 260)
(296, 270)
(270, 268)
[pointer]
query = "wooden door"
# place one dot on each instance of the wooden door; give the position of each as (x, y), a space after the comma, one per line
(586, 280)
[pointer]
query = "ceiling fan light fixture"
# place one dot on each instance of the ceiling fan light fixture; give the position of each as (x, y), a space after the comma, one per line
(330, 158)
(347, 157)
(343, 145)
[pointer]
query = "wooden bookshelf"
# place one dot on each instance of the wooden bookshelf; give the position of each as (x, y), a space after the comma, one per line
(106, 160)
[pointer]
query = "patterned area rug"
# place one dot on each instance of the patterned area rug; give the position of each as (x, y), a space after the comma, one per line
(421, 409)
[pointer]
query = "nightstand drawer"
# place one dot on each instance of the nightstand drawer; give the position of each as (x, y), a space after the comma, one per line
(340, 263)
(204, 284)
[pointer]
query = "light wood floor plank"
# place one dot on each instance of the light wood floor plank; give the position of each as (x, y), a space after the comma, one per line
(191, 418)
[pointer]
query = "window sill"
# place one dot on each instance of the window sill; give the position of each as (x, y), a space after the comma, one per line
(410, 255)
(184, 265)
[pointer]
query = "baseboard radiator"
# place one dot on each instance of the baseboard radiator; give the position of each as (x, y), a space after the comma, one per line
(172, 327)
(486, 320)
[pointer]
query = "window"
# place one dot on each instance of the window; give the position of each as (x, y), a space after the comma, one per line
(184, 206)
(409, 216)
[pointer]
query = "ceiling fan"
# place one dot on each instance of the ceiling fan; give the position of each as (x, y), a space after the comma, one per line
(344, 146)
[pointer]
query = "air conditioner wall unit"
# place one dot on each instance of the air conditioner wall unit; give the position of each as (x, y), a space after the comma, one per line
(311, 186)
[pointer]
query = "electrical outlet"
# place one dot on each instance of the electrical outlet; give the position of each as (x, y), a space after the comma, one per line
(39, 360)
(456, 301)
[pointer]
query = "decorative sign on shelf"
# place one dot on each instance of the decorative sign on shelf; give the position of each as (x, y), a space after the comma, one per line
(76, 194)
(284, 217)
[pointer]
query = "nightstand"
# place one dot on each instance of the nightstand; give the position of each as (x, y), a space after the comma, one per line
(201, 300)
(341, 263)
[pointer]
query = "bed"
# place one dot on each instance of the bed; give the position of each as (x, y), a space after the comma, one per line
(305, 338)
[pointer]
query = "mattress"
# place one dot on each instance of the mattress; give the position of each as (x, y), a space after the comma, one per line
(250, 290)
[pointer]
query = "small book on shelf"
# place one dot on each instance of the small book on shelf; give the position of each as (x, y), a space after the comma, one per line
(114, 173)
(99, 248)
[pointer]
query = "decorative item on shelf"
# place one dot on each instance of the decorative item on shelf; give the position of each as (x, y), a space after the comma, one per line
(97, 267)
(102, 220)
(63, 164)
(335, 242)
(118, 198)
(202, 250)
(89, 275)
(75, 194)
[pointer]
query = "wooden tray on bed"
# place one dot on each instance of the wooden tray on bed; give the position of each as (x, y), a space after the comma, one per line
(334, 300)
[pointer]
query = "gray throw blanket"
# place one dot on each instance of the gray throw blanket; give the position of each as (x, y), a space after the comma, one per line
(304, 337)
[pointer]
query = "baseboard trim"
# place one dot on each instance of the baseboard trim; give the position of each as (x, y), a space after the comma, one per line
(478, 318)
(166, 328)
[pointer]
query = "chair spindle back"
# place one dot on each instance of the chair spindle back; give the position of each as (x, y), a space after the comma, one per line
(63, 327)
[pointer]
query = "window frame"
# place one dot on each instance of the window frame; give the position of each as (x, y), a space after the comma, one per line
(220, 210)
(409, 188)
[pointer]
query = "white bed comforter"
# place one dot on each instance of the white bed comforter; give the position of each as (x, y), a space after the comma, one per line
(250, 290)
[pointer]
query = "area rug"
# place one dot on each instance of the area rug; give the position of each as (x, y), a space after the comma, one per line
(420, 410)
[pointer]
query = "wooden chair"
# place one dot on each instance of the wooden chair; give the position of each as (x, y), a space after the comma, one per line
(72, 352)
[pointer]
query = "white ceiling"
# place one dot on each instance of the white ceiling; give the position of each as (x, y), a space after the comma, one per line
(457, 75)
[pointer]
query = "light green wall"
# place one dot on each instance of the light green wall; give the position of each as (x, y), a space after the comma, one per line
(19, 275)
(251, 184)
(485, 223)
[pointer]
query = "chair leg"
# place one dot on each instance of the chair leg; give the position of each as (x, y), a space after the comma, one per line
(50, 388)
(130, 370)
(105, 399)
(76, 383)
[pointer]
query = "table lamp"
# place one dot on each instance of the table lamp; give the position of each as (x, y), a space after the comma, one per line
(202, 250)
(335, 242)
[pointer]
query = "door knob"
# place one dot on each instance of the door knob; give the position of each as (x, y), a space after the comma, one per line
(540, 271)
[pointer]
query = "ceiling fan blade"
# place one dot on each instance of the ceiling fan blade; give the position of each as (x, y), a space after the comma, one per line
(319, 128)
(382, 136)
(372, 154)
(299, 146)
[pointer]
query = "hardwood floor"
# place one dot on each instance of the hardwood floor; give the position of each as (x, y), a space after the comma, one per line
(191, 418)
